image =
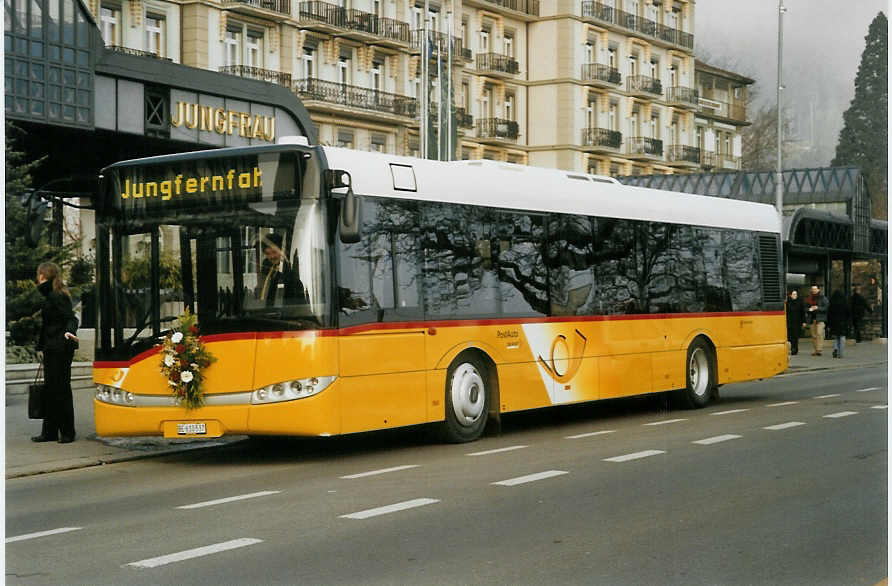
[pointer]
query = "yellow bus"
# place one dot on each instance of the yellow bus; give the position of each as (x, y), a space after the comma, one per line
(344, 291)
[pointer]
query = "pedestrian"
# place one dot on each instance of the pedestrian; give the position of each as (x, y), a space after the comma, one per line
(860, 307)
(816, 310)
(58, 340)
(838, 321)
(795, 320)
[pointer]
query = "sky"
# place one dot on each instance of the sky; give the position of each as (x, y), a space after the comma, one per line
(823, 41)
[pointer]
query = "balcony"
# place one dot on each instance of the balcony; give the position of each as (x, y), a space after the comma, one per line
(599, 72)
(497, 65)
(683, 154)
(683, 96)
(354, 24)
(608, 15)
(527, 10)
(723, 110)
(644, 148)
(370, 100)
(708, 159)
(601, 138)
(463, 119)
(439, 42)
(497, 130)
(135, 52)
(644, 85)
(276, 77)
(248, 6)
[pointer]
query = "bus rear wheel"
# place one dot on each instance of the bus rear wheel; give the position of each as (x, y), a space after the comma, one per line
(467, 399)
(700, 376)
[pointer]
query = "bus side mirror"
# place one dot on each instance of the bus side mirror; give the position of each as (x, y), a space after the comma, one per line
(348, 224)
(35, 208)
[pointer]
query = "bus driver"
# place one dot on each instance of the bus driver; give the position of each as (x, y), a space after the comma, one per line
(276, 273)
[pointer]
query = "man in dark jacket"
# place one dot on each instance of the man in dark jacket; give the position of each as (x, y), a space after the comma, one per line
(816, 309)
(838, 322)
(795, 320)
(860, 307)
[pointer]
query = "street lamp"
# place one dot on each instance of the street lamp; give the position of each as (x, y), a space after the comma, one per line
(779, 176)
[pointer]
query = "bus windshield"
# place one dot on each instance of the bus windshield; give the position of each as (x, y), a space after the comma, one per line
(238, 240)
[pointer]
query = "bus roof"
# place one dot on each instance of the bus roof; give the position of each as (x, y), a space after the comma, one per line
(508, 186)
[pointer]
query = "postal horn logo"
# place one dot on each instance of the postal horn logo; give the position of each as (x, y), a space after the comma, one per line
(563, 370)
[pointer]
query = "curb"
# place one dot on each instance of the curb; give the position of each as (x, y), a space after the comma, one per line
(809, 369)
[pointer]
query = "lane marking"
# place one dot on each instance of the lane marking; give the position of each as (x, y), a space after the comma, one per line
(42, 534)
(784, 426)
(717, 439)
(590, 434)
(840, 414)
(497, 451)
(828, 396)
(195, 553)
(530, 478)
(390, 508)
(730, 412)
(381, 471)
(880, 407)
(635, 456)
(229, 499)
(784, 404)
(666, 421)
(869, 389)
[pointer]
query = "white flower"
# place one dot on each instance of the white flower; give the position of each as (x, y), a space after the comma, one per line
(177, 337)
(171, 383)
(168, 360)
(194, 366)
(186, 376)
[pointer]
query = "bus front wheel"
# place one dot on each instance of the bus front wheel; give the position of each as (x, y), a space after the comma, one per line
(467, 399)
(700, 376)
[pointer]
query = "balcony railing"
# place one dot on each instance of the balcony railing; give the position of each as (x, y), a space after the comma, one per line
(601, 72)
(643, 83)
(679, 153)
(683, 95)
(277, 77)
(497, 128)
(601, 137)
(439, 42)
(463, 119)
(136, 52)
(530, 7)
(639, 145)
(354, 20)
(722, 109)
(708, 159)
(608, 14)
(356, 97)
(280, 6)
(497, 63)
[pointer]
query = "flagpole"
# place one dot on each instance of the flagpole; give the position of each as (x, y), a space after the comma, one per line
(449, 112)
(425, 99)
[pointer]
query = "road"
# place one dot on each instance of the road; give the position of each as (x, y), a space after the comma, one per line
(781, 482)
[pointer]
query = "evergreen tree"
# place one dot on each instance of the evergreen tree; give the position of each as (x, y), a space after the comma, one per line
(863, 140)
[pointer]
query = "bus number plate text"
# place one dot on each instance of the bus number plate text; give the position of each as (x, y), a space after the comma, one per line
(192, 428)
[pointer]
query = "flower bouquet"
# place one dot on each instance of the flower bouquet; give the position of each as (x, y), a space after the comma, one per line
(183, 360)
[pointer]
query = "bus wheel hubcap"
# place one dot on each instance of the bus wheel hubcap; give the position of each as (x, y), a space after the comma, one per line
(467, 393)
(698, 372)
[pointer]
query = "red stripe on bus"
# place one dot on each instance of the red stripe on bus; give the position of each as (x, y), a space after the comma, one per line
(433, 324)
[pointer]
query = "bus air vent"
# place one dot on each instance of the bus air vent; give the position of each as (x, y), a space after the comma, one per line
(769, 261)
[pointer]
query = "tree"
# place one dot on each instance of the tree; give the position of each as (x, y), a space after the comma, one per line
(760, 140)
(863, 140)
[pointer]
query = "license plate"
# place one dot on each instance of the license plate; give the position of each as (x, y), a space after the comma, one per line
(192, 428)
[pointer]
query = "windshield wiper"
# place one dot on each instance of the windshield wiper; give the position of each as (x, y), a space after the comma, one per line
(145, 322)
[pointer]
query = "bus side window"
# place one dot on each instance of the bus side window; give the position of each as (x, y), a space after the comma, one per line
(521, 272)
(570, 261)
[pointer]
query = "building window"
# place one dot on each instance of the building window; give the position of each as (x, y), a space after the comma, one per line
(510, 113)
(484, 40)
(254, 49)
(613, 116)
(309, 61)
(156, 113)
(466, 97)
(232, 47)
(155, 35)
(590, 52)
(377, 75)
(591, 111)
(110, 22)
(344, 70)
(345, 138)
(509, 46)
(655, 68)
(611, 57)
(379, 142)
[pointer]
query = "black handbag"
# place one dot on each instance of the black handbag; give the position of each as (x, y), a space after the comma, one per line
(35, 394)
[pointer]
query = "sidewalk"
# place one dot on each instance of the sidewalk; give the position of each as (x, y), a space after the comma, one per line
(26, 458)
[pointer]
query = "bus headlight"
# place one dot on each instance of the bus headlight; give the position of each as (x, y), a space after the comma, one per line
(291, 390)
(113, 395)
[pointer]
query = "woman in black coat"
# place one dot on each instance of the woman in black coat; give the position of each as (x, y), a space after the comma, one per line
(838, 316)
(58, 342)
(795, 320)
